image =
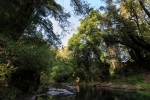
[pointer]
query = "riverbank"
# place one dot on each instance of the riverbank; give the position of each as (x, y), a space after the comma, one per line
(139, 81)
(124, 86)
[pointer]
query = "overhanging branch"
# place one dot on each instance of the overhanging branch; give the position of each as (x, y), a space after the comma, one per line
(143, 7)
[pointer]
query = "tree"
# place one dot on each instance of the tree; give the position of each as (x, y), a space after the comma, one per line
(127, 25)
(21, 17)
(123, 22)
(62, 70)
(87, 46)
(27, 38)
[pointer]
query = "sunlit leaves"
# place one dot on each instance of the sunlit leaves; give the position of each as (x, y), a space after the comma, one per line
(62, 69)
(5, 72)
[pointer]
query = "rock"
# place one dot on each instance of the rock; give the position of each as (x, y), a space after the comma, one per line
(54, 92)
(71, 88)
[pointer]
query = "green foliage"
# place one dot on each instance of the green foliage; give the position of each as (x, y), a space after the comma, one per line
(34, 57)
(61, 73)
(10, 91)
(126, 24)
(87, 47)
(6, 66)
(27, 39)
(135, 79)
(21, 17)
(62, 69)
(28, 54)
(26, 35)
(81, 7)
(80, 72)
(5, 71)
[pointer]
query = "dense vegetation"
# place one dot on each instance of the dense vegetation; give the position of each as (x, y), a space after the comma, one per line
(111, 41)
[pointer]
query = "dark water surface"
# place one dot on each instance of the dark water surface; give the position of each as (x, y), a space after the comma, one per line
(97, 93)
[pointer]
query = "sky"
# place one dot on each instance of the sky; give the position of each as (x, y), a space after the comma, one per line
(74, 20)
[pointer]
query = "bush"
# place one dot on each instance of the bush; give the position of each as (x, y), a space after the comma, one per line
(61, 73)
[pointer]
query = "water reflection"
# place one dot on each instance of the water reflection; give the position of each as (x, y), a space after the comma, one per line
(77, 88)
(97, 93)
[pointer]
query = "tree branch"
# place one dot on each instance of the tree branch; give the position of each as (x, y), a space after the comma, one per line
(142, 5)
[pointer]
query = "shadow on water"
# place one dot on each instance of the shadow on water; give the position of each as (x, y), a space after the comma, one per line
(96, 93)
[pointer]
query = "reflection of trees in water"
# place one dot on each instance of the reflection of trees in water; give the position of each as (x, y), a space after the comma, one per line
(98, 93)
(77, 88)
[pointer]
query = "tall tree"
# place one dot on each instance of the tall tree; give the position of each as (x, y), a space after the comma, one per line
(87, 45)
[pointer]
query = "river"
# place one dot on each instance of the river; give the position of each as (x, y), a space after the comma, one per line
(97, 93)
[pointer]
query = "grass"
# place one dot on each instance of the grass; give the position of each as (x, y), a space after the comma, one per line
(145, 85)
(134, 79)
(140, 81)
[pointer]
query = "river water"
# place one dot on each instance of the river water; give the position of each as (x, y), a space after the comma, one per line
(96, 93)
